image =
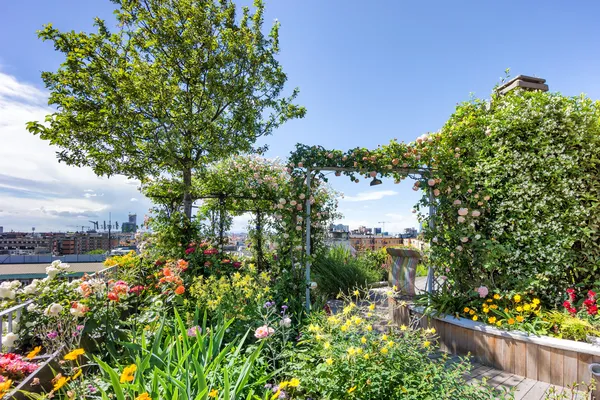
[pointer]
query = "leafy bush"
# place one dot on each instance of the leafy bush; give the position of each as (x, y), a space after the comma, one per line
(342, 356)
(338, 271)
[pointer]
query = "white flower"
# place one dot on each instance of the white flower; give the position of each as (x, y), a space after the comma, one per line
(461, 219)
(464, 239)
(52, 272)
(313, 285)
(286, 322)
(10, 339)
(293, 202)
(434, 240)
(53, 309)
(463, 211)
(477, 237)
(302, 196)
(281, 201)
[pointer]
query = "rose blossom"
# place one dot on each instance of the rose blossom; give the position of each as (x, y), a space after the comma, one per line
(263, 332)
(463, 211)
(476, 213)
(483, 291)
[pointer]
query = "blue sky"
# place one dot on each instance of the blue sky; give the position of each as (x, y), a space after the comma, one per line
(367, 71)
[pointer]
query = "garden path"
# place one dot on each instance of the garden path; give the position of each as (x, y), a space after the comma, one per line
(524, 388)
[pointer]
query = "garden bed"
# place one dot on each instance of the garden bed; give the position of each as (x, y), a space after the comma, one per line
(557, 361)
(45, 373)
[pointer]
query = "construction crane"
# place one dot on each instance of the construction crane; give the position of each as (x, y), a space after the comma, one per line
(95, 224)
(383, 226)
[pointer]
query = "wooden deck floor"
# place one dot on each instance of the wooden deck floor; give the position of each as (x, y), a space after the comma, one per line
(525, 388)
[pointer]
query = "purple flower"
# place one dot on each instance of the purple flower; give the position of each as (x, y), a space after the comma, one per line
(91, 389)
(79, 327)
(284, 307)
(52, 335)
(268, 304)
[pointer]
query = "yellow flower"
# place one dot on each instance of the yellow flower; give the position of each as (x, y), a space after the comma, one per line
(34, 352)
(344, 328)
(519, 309)
(77, 374)
(372, 307)
(294, 382)
(390, 343)
(60, 382)
(494, 307)
(276, 395)
(492, 320)
(356, 293)
(403, 328)
(472, 312)
(467, 309)
(74, 354)
(474, 317)
(329, 361)
(384, 350)
(511, 321)
(489, 300)
(128, 372)
(527, 307)
(486, 310)
(426, 343)
(384, 337)
(319, 337)
(505, 310)
(326, 345)
(395, 288)
(351, 351)
(5, 386)
(352, 389)
(536, 301)
(517, 298)
(366, 356)
(369, 328)
(363, 340)
(496, 296)
(146, 396)
(313, 328)
(520, 318)
(499, 323)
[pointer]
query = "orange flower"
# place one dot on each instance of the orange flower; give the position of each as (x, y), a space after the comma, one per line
(182, 264)
(180, 289)
(166, 271)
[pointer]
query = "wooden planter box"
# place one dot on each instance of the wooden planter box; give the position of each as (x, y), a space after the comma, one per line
(556, 361)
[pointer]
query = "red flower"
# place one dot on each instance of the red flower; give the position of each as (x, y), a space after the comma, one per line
(593, 310)
(573, 310)
(113, 296)
(571, 293)
(588, 302)
(158, 263)
(591, 294)
(137, 289)
(566, 304)
(237, 264)
(190, 250)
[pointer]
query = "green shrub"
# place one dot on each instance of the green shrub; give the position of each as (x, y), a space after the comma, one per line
(338, 271)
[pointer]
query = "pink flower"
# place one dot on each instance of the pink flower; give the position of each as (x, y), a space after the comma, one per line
(431, 182)
(463, 211)
(436, 192)
(476, 213)
(263, 332)
(483, 291)
(457, 202)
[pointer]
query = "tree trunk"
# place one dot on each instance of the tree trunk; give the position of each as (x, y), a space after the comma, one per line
(187, 196)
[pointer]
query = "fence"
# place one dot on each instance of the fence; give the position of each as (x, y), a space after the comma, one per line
(11, 315)
(47, 258)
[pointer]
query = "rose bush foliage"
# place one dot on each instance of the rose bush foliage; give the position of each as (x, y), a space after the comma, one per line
(514, 183)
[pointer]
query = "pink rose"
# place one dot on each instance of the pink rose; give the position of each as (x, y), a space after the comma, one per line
(463, 211)
(263, 332)
(431, 182)
(482, 290)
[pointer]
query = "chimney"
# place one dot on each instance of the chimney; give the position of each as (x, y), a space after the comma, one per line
(525, 82)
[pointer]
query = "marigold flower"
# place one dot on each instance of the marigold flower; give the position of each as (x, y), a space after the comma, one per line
(517, 298)
(72, 356)
(128, 373)
(475, 317)
(511, 321)
(536, 301)
(520, 318)
(34, 352)
(496, 296)
(213, 393)
(519, 309)
(294, 382)
(467, 309)
(492, 320)
(146, 396)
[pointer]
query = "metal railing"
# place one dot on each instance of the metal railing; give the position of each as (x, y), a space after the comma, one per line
(105, 273)
(11, 315)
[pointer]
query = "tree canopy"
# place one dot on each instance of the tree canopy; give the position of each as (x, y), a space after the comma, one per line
(180, 84)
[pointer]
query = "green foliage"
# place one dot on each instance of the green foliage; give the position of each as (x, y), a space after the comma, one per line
(96, 251)
(422, 270)
(342, 356)
(375, 260)
(566, 326)
(179, 85)
(521, 169)
(338, 271)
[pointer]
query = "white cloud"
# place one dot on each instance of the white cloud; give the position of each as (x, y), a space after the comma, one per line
(367, 196)
(133, 200)
(36, 190)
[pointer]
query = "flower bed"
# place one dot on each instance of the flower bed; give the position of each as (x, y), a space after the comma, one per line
(557, 361)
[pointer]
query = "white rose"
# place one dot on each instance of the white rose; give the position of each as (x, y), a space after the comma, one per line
(32, 307)
(52, 272)
(10, 339)
(53, 309)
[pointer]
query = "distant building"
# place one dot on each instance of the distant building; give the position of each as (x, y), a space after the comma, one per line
(20, 243)
(369, 242)
(131, 225)
(410, 233)
(1, 229)
(377, 231)
(339, 228)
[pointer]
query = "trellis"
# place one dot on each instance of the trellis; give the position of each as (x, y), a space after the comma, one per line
(410, 172)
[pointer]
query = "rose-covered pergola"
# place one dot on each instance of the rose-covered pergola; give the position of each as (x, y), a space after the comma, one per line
(397, 160)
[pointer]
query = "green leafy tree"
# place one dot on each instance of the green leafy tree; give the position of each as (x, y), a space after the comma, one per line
(180, 84)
